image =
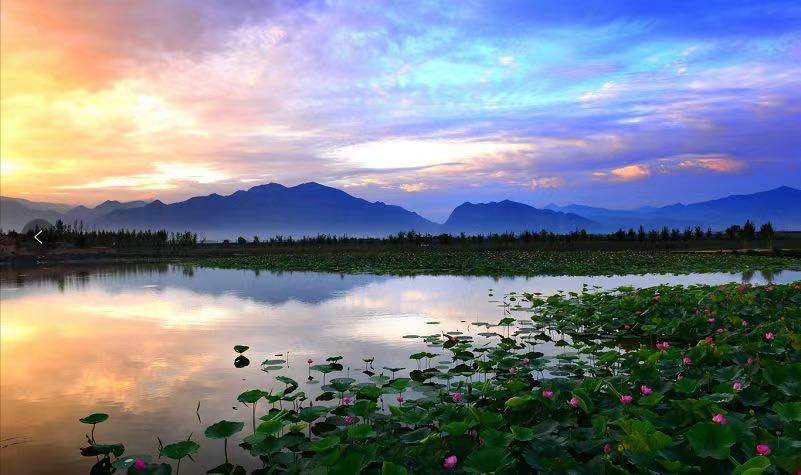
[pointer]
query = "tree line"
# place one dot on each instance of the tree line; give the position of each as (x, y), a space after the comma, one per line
(746, 233)
(75, 234)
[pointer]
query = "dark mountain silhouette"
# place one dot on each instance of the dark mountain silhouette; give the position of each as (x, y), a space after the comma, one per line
(311, 208)
(88, 215)
(272, 209)
(781, 206)
(502, 216)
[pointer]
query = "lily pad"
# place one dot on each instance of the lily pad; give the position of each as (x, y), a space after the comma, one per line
(95, 418)
(708, 439)
(223, 429)
(179, 450)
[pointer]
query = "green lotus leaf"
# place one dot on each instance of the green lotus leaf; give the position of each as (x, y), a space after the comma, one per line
(223, 429)
(103, 449)
(389, 468)
(361, 431)
(179, 450)
(241, 361)
(312, 413)
(708, 439)
(95, 418)
(789, 411)
(252, 396)
(341, 384)
(753, 466)
(325, 443)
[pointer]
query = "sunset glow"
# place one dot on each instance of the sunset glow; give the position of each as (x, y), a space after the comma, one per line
(143, 100)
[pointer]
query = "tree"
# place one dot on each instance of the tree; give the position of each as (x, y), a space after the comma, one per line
(749, 231)
(766, 234)
(241, 240)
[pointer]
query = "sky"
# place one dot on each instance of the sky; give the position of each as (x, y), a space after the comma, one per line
(423, 104)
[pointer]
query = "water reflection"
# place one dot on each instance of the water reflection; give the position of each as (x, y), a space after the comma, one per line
(147, 343)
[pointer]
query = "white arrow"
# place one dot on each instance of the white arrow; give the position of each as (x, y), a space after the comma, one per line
(36, 236)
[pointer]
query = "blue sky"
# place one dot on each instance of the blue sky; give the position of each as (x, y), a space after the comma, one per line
(423, 104)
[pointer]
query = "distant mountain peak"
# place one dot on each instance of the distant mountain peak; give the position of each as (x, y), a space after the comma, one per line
(511, 216)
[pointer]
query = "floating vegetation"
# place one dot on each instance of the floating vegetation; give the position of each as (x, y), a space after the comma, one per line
(241, 361)
(663, 379)
(504, 261)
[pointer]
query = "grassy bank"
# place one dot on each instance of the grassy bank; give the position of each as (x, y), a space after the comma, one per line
(513, 261)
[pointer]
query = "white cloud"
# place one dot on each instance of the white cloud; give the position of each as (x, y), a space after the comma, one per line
(547, 182)
(165, 176)
(412, 153)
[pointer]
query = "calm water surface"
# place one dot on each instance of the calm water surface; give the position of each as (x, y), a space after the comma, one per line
(145, 344)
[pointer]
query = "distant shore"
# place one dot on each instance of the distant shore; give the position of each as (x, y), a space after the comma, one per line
(588, 259)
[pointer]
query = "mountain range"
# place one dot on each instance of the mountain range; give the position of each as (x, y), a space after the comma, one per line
(312, 208)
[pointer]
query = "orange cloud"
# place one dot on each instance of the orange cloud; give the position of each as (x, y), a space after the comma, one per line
(414, 187)
(720, 164)
(627, 173)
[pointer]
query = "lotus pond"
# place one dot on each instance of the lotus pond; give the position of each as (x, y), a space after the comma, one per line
(415, 375)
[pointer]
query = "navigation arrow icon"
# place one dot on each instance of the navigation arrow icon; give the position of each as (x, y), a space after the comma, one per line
(36, 236)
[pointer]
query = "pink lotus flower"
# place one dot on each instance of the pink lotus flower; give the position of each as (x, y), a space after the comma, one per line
(737, 386)
(710, 320)
(400, 399)
(679, 377)
(645, 390)
(662, 345)
(720, 330)
(450, 462)
(627, 326)
(525, 361)
(574, 401)
(709, 340)
(745, 323)
(626, 399)
(547, 394)
(347, 400)
(309, 361)
(456, 397)
(607, 448)
(349, 420)
(719, 419)
(749, 361)
(687, 360)
(139, 464)
(513, 370)
(769, 336)
(763, 449)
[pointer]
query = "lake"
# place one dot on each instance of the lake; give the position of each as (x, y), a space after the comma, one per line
(147, 343)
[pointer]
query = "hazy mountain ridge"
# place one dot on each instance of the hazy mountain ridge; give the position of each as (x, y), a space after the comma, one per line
(312, 208)
(511, 216)
(15, 213)
(781, 206)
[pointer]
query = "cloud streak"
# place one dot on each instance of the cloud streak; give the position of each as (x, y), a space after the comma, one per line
(429, 106)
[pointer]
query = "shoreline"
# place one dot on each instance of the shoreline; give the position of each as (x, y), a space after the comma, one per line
(432, 261)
